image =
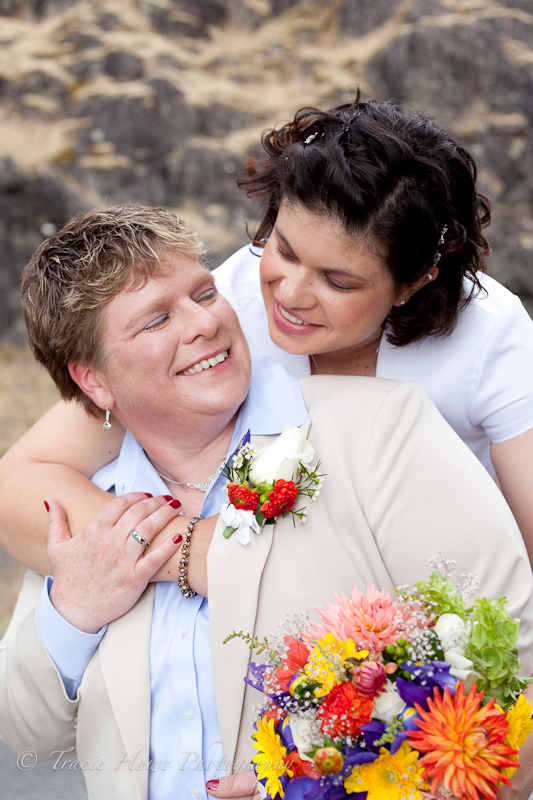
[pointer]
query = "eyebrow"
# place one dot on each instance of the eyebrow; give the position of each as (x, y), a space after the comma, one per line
(334, 270)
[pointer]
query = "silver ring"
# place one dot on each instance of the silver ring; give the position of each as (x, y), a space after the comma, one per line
(140, 539)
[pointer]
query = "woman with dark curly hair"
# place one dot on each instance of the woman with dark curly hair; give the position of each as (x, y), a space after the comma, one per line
(372, 262)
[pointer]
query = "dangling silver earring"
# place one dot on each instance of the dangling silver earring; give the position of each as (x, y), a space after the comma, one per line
(402, 302)
(106, 425)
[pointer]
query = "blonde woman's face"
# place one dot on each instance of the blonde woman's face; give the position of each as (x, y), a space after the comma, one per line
(324, 291)
(174, 348)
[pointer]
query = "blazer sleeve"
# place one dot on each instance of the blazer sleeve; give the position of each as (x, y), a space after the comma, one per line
(35, 712)
(425, 494)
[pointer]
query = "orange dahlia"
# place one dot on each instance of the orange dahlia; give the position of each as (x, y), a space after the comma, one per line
(464, 744)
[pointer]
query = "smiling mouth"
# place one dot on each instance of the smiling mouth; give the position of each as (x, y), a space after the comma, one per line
(288, 316)
(206, 363)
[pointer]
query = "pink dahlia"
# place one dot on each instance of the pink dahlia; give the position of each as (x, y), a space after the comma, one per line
(372, 620)
(369, 678)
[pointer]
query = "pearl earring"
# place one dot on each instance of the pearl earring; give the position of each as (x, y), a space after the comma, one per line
(106, 425)
(402, 302)
(430, 276)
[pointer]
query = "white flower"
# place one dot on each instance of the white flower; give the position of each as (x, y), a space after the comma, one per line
(389, 704)
(461, 668)
(241, 520)
(301, 734)
(282, 458)
(454, 633)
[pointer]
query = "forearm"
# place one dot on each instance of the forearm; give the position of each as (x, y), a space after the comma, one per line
(200, 542)
(513, 462)
(24, 521)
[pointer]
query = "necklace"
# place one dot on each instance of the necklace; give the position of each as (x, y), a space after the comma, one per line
(367, 369)
(203, 486)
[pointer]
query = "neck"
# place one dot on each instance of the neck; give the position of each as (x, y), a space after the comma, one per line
(356, 360)
(188, 450)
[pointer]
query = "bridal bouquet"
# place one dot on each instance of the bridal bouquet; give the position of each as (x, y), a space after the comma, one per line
(386, 699)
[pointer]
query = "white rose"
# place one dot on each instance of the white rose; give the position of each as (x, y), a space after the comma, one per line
(454, 633)
(461, 668)
(301, 734)
(282, 458)
(389, 704)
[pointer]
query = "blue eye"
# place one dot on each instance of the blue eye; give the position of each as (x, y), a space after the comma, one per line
(153, 326)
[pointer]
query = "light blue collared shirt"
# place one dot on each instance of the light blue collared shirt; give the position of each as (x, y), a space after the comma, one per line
(184, 727)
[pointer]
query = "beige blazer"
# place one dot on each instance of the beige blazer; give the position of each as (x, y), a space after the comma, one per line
(400, 487)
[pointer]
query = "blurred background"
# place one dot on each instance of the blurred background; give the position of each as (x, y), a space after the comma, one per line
(160, 101)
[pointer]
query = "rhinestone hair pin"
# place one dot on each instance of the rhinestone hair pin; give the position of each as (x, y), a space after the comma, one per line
(438, 255)
(345, 129)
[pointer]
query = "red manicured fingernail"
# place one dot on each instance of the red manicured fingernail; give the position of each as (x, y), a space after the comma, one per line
(148, 494)
(168, 497)
(177, 538)
(175, 504)
(212, 785)
(47, 506)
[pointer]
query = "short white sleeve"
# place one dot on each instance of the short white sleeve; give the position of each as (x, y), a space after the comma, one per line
(502, 396)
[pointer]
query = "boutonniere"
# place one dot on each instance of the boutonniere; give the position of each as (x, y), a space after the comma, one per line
(264, 485)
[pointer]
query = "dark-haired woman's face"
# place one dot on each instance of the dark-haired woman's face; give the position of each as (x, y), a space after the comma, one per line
(324, 290)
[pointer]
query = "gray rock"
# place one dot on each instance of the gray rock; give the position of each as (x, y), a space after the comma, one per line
(123, 66)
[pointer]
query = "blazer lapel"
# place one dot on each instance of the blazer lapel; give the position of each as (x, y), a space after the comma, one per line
(234, 576)
(125, 662)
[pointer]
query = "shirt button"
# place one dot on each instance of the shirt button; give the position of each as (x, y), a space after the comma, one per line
(189, 713)
(197, 792)
(183, 630)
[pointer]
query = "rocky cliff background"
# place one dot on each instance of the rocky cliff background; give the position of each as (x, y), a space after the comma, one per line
(160, 101)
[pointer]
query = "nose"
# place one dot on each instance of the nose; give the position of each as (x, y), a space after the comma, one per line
(201, 321)
(295, 289)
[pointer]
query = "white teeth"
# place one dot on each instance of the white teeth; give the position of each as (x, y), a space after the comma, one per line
(290, 317)
(206, 363)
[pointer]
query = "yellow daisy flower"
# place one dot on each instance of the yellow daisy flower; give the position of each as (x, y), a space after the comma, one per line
(270, 760)
(520, 726)
(325, 664)
(389, 777)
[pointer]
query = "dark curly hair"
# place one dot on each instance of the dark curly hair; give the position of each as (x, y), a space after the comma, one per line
(393, 178)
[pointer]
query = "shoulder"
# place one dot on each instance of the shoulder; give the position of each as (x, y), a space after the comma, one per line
(493, 301)
(239, 274)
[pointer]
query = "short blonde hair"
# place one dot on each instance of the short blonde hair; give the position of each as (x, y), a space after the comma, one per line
(76, 273)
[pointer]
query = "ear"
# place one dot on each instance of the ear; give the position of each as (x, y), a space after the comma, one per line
(409, 289)
(92, 383)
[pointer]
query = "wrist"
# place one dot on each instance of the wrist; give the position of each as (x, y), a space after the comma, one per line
(78, 618)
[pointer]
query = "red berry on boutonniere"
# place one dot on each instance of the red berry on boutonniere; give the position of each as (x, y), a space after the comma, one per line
(280, 499)
(243, 497)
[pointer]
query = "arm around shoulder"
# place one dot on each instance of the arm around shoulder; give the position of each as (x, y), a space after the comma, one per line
(55, 458)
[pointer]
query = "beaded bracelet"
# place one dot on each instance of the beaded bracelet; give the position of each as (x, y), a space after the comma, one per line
(186, 590)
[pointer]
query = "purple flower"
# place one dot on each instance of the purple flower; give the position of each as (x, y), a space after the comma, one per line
(425, 678)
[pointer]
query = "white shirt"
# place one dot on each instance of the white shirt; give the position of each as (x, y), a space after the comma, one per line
(185, 744)
(480, 377)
